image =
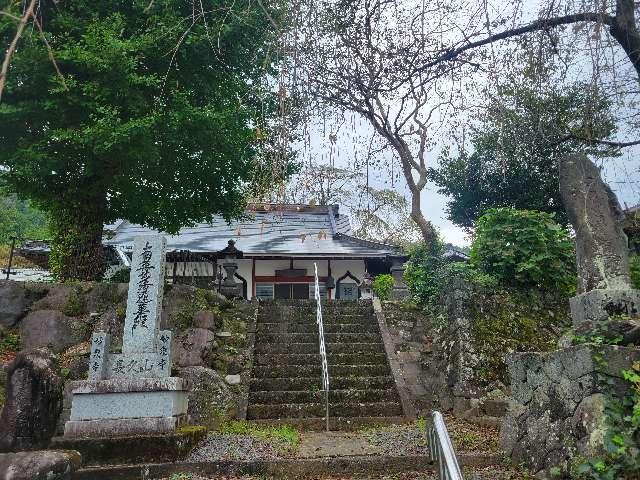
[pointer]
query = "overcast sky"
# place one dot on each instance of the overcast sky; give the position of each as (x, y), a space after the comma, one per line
(354, 141)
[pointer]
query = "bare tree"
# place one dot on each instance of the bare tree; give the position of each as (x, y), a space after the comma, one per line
(356, 56)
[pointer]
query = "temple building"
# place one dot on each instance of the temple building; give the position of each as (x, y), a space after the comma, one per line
(270, 253)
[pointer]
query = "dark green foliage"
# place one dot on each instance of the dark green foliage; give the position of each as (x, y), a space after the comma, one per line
(9, 342)
(157, 125)
(524, 249)
(424, 272)
(634, 262)
(121, 276)
(516, 149)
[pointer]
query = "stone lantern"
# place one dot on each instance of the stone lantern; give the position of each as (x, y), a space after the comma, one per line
(365, 286)
(229, 287)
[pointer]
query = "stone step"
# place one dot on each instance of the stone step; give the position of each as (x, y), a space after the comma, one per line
(282, 371)
(295, 410)
(345, 424)
(286, 317)
(313, 347)
(315, 383)
(309, 306)
(329, 338)
(335, 396)
(283, 328)
(314, 359)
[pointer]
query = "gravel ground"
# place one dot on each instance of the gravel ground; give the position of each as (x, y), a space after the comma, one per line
(492, 473)
(232, 447)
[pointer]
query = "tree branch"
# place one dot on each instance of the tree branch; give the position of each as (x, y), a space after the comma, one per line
(541, 24)
(14, 43)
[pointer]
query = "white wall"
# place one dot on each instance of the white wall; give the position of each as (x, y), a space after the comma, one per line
(267, 268)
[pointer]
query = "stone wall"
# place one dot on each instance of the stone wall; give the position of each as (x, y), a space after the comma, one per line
(453, 359)
(558, 403)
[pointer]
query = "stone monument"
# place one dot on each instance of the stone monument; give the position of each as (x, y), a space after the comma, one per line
(602, 252)
(132, 392)
(558, 407)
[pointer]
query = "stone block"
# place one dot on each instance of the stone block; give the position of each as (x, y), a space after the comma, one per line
(556, 410)
(193, 347)
(33, 401)
(49, 328)
(146, 289)
(14, 302)
(205, 319)
(233, 379)
(134, 449)
(597, 306)
(211, 402)
(122, 406)
(121, 427)
(128, 404)
(39, 465)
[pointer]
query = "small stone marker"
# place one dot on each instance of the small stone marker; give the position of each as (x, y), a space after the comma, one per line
(602, 253)
(132, 392)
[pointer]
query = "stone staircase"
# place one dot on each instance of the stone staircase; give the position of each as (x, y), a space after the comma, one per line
(286, 379)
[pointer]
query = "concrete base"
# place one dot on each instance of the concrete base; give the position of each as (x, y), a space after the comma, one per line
(599, 305)
(125, 406)
(122, 427)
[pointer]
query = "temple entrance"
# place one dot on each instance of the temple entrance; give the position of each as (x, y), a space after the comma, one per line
(296, 291)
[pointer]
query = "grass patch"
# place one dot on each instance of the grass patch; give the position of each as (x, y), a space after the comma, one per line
(284, 437)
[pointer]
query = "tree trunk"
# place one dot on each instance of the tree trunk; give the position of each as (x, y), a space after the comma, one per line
(76, 229)
(429, 233)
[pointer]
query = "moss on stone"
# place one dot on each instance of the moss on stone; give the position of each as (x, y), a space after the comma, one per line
(514, 321)
(76, 304)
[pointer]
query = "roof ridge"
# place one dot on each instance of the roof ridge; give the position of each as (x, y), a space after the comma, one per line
(367, 243)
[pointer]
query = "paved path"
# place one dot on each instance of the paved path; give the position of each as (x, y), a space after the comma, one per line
(335, 444)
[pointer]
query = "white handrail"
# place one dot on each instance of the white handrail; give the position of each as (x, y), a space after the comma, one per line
(323, 350)
(441, 450)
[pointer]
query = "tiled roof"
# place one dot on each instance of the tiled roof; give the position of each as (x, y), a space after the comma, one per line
(268, 231)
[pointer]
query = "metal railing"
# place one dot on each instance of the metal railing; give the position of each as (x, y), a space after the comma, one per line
(441, 450)
(323, 350)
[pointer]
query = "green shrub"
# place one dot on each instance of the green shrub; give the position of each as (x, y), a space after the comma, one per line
(524, 249)
(423, 272)
(634, 262)
(9, 341)
(121, 276)
(382, 286)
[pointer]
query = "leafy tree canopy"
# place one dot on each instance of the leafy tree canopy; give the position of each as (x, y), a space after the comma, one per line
(155, 121)
(516, 147)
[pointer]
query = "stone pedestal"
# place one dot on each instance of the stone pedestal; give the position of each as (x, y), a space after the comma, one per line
(599, 305)
(125, 406)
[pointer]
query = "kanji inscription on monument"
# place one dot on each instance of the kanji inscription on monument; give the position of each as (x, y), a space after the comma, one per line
(146, 351)
(144, 303)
